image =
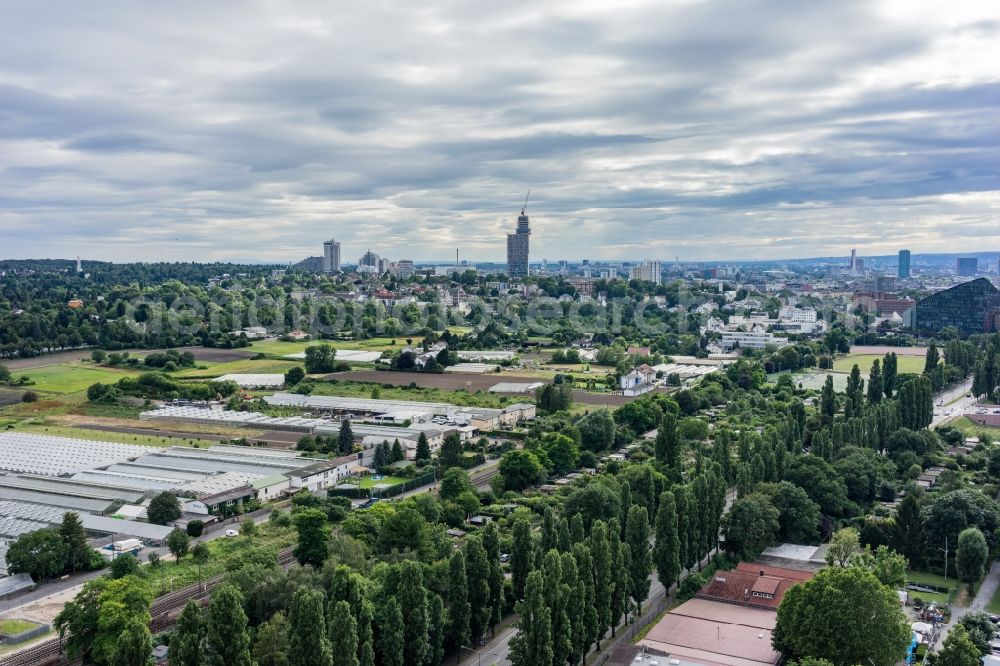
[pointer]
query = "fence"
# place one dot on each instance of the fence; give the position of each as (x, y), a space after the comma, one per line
(382, 493)
(14, 639)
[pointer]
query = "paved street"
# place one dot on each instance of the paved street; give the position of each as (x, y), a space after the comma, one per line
(946, 410)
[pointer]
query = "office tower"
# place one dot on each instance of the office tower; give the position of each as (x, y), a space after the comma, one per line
(405, 268)
(967, 266)
(369, 262)
(517, 246)
(971, 307)
(903, 271)
(854, 261)
(331, 256)
(859, 265)
(647, 271)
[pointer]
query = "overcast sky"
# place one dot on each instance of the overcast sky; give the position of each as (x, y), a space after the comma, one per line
(254, 130)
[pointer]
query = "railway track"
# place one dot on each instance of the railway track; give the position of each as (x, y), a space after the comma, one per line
(483, 479)
(164, 611)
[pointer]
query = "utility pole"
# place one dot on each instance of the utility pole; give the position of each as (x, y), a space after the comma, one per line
(945, 551)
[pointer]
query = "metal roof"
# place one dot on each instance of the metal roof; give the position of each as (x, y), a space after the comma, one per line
(67, 502)
(68, 486)
(60, 456)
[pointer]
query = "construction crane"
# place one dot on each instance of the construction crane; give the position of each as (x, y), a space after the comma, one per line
(525, 206)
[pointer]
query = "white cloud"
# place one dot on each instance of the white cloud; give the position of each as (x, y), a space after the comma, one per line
(253, 131)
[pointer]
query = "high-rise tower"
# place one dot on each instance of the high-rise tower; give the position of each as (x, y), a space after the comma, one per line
(903, 267)
(517, 244)
(331, 256)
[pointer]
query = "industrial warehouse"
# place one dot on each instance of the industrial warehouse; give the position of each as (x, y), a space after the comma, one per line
(108, 484)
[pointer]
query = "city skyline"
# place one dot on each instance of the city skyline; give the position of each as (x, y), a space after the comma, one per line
(652, 129)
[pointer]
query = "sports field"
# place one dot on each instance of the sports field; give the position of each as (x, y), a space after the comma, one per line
(904, 364)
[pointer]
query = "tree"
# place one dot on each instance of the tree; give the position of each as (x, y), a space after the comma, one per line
(597, 430)
(125, 564)
(600, 550)
(952, 512)
(875, 387)
(186, 643)
(393, 642)
(413, 604)
(843, 546)
(593, 502)
(227, 641)
(423, 453)
(931, 359)
(532, 644)
(450, 454)
(666, 549)
(809, 609)
(908, 536)
(396, 454)
(972, 555)
(78, 553)
(313, 533)
(100, 613)
(345, 438)
(40, 554)
(828, 401)
(294, 376)
(889, 365)
(458, 600)
(491, 544)
(134, 646)
(454, 482)
(798, 516)
(270, 648)
(750, 526)
(4, 374)
(958, 650)
(320, 359)
(344, 641)
(178, 543)
(194, 528)
(561, 452)
(308, 644)
(477, 572)
(519, 469)
(163, 508)
(637, 538)
(521, 556)
(668, 443)
(980, 629)
(820, 481)
(201, 554)
(435, 621)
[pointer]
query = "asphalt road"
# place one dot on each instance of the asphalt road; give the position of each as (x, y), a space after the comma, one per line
(945, 410)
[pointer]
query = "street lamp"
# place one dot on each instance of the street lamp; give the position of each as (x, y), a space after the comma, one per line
(479, 655)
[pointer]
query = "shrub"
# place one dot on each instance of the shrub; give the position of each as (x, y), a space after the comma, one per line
(195, 528)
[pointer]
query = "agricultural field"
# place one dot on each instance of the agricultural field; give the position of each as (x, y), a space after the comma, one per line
(282, 348)
(422, 394)
(815, 380)
(112, 436)
(71, 377)
(242, 366)
(904, 364)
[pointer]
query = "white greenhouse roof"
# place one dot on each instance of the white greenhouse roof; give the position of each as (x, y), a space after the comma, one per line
(60, 456)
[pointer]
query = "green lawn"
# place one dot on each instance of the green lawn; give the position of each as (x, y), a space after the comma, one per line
(369, 482)
(71, 377)
(12, 627)
(282, 348)
(464, 398)
(904, 364)
(969, 428)
(242, 366)
(928, 578)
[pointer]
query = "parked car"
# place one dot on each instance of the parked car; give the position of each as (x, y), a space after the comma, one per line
(232, 533)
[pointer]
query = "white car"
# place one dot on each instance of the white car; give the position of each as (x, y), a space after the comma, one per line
(232, 533)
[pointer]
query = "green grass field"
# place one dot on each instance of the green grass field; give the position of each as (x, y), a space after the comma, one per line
(242, 366)
(71, 377)
(928, 578)
(11, 627)
(464, 398)
(904, 364)
(369, 482)
(994, 605)
(173, 575)
(282, 348)
(969, 428)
